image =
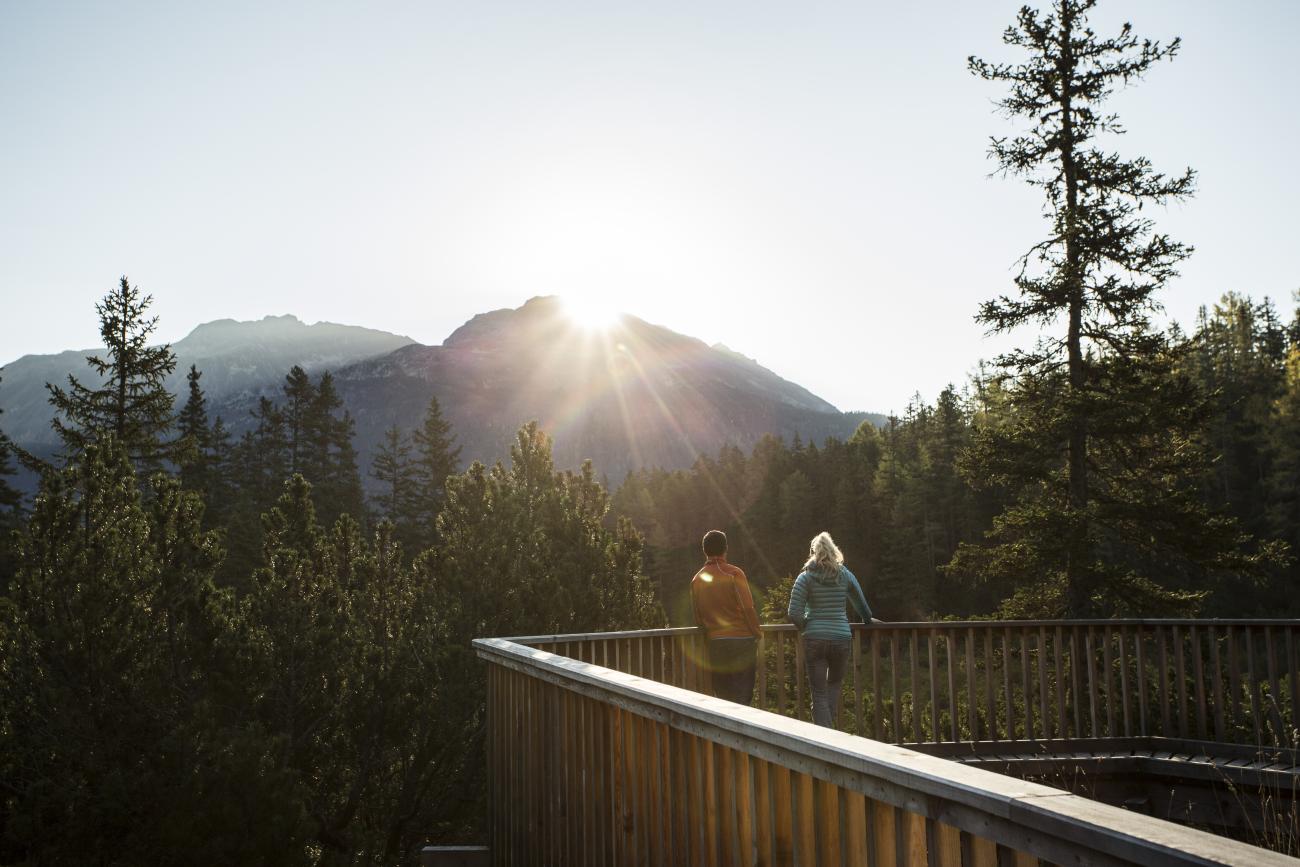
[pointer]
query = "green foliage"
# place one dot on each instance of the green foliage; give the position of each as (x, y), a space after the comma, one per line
(436, 458)
(313, 697)
(11, 511)
(114, 674)
(1099, 451)
(526, 548)
(131, 403)
(398, 499)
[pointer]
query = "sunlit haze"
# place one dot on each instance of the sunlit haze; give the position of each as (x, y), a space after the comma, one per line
(591, 313)
(806, 183)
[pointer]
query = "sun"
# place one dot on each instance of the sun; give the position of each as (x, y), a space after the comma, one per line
(591, 314)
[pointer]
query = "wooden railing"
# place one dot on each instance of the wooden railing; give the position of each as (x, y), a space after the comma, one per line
(589, 765)
(914, 683)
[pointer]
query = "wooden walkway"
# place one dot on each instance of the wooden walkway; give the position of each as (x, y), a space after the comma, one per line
(603, 749)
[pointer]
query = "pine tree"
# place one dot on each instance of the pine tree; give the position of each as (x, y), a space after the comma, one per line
(1284, 480)
(10, 511)
(194, 445)
(118, 734)
(329, 461)
(302, 423)
(396, 500)
(436, 457)
(131, 403)
(1101, 452)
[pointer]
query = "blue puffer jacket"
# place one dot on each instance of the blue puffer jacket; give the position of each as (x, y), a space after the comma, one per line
(817, 602)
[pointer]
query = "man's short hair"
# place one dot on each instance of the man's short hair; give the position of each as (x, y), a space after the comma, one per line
(715, 543)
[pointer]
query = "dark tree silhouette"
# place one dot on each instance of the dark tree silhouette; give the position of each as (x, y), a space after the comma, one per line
(1100, 450)
(130, 402)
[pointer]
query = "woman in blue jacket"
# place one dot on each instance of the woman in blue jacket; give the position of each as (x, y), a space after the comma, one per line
(817, 608)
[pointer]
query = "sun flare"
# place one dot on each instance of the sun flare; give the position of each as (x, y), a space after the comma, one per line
(591, 314)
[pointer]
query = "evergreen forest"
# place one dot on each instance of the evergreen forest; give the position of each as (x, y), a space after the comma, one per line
(253, 650)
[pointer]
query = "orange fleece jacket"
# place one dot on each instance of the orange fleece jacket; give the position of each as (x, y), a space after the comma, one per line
(722, 602)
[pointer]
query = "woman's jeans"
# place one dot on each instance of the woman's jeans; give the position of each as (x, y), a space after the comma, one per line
(826, 661)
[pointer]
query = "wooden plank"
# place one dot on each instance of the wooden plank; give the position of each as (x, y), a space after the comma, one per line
(1077, 694)
(696, 795)
(898, 736)
(859, 718)
(1027, 695)
(1293, 662)
(801, 710)
(711, 823)
(780, 674)
(991, 717)
(585, 807)
(627, 801)
(984, 853)
(1253, 684)
(679, 759)
(828, 823)
(1180, 672)
(877, 690)
(947, 845)
(567, 768)
(855, 847)
(782, 817)
(1139, 660)
(762, 669)
(915, 845)
(1058, 667)
(918, 733)
(1123, 680)
(1165, 681)
(660, 782)
(804, 834)
(1006, 683)
(1093, 730)
(1043, 717)
(931, 675)
(1198, 675)
(727, 843)
(1024, 859)
(972, 700)
(1216, 682)
(763, 813)
(884, 834)
(639, 786)
(1234, 681)
(954, 706)
(1275, 694)
(1108, 680)
(580, 809)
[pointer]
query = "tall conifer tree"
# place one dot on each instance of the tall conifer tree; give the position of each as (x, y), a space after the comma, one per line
(396, 500)
(436, 457)
(130, 402)
(1100, 452)
(195, 436)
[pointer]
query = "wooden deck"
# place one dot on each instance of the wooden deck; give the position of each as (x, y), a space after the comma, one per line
(603, 749)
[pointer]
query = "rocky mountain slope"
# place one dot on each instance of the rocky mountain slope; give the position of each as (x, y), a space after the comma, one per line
(635, 394)
(239, 360)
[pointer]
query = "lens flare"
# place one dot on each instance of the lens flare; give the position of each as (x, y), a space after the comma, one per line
(591, 314)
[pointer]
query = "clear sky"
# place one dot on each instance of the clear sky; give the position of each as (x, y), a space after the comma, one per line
(805, 182)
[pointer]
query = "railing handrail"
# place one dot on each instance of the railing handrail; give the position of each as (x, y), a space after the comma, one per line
(922, 624)
(1053, 824)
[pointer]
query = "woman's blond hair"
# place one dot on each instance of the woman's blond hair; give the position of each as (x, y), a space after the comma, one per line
(824, 554)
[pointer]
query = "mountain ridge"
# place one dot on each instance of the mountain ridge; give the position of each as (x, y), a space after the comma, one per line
(633, 395)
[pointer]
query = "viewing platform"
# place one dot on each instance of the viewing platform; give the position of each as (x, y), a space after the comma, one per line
(606, 748)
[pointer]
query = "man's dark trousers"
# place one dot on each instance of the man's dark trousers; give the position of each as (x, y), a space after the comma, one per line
(732, 662)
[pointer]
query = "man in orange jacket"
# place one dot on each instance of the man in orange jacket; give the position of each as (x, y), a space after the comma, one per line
(724, 608)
